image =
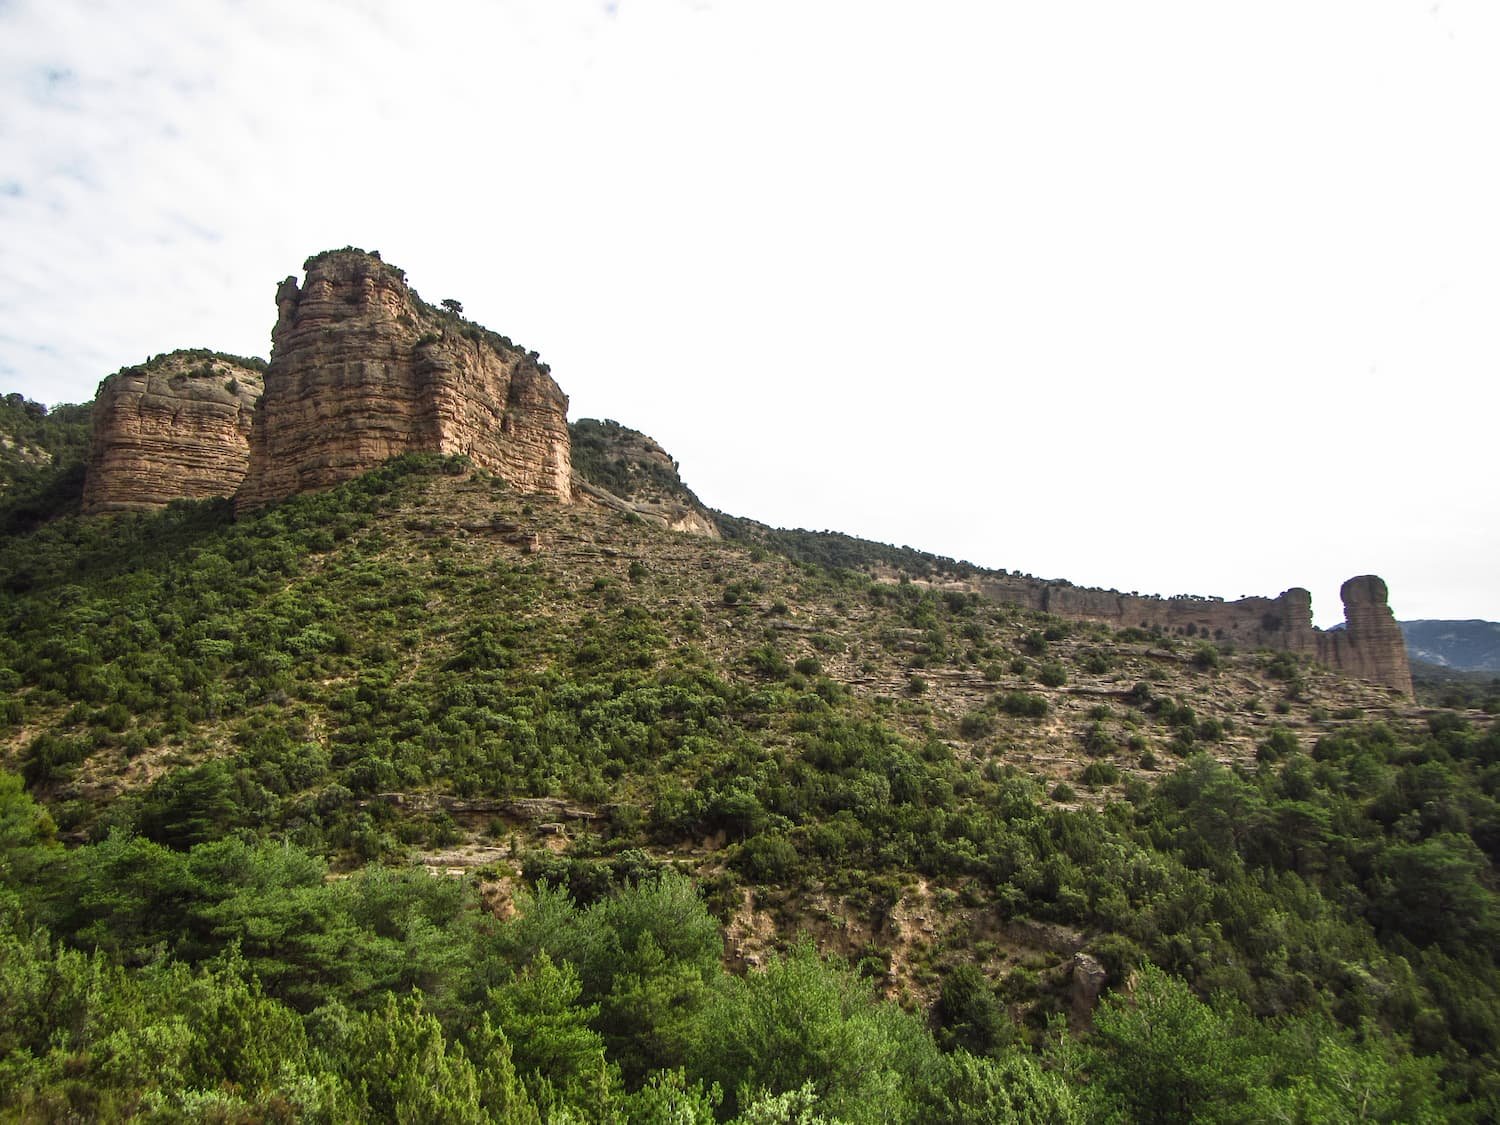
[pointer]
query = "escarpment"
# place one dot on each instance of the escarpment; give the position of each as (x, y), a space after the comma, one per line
(174, 428)
(362, 370)
(1370, 646)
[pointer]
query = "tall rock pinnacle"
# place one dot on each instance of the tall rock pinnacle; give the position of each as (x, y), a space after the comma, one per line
(363, 370)
(1370, 645)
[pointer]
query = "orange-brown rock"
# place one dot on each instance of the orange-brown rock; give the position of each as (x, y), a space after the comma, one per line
(363, 370)
(174, 428)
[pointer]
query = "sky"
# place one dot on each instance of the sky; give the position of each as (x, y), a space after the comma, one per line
(1176, 297)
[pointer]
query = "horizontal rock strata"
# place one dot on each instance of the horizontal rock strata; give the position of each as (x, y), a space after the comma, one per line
(175, 428)
(362, 370)
(1371, 644)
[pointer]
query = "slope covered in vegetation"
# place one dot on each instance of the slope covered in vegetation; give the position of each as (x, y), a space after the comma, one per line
(420, 797)
(41, 460)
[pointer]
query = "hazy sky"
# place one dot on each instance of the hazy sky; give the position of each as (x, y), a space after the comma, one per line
(1172, 297)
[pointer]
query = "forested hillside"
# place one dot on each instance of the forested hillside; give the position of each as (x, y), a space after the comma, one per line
(1464, 646)
(41, 460)
(419, 799)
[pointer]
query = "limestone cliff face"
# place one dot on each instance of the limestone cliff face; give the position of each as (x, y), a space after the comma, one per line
(175, 428)
(363, 370)
(624, 469)
(1371, 645)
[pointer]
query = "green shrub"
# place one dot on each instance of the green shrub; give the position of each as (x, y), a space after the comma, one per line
(1206, 657)
(1023, 704)
(1280, 743)
(767, 858)
(976, 724)
(1098, 741)
(1099, 773)
(768, 661)
(1052, 675)
(1096, 663)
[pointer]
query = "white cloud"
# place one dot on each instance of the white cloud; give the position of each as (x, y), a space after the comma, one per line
(1163, 296)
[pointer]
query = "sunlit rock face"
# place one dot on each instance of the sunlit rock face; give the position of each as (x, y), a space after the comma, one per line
(174, 428)
(363, 370)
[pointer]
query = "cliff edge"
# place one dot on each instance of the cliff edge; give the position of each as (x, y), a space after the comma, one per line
(625, 469)
(363, 370)
(174, 428)
(1371, 644)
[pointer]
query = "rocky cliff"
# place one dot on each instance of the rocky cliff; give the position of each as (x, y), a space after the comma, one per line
(1370, 645)
(1253, 622)
(363, 370)
(174, 428)
(624, 469)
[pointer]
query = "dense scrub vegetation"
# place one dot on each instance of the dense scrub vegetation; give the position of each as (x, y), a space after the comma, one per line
(42, 454)
(243, 731)
(608, 455)
(835, 549)
(1447, 687)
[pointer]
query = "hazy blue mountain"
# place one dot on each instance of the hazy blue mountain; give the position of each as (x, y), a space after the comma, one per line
(1472, 646)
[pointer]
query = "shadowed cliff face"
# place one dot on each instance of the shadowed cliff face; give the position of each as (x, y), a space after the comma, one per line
(363, 370)
(176, 428)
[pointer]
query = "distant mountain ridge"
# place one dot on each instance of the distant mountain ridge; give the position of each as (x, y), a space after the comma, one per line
(1470, 646)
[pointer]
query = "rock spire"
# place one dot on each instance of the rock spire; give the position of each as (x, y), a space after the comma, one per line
(363, 370)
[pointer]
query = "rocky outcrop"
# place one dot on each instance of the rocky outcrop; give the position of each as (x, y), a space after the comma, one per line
(363, 370)
(624, 469)
(1254, 622)
(1464, 646)
(1370, 645)
(174, 428)
(1087, 978)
